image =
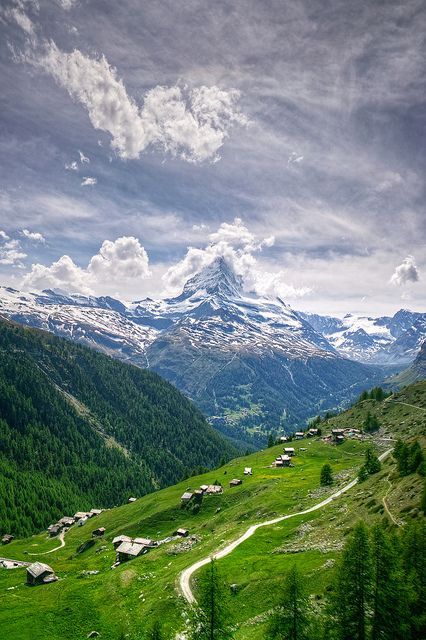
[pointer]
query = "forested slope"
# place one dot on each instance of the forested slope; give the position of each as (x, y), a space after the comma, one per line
(78, 430)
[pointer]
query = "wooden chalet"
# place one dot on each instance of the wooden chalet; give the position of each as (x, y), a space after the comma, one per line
(235, 482)
(289, 451)
(95, 512)
(183, 533)
(66, 521)
(40, 573)
(187, 496)
(204, 487)
(7, 538)
(129, 550)
(299, 435)
(98, 533)
(283, 461)
(248, 471)
(145, 542)
(313, 432)
(132, 500)
(55, 529)
(214, 489)
(119, 539)
(337, 435)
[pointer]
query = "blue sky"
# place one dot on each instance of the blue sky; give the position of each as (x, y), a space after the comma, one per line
(140, 140)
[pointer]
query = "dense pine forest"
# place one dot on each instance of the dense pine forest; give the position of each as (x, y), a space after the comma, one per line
(80, 430)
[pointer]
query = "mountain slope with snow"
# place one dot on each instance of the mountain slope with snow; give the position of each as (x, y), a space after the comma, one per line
(384, 340)
(251, 363)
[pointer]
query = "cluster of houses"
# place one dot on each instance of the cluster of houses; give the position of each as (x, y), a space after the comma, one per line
(128, 548)
(7, 538)
(284, 460)
(66, 522)
(204, 490)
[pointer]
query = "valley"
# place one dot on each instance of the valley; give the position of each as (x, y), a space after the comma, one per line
(251, 364)
(124, 601)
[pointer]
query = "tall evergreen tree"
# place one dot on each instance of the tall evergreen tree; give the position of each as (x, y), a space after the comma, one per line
(290, 620)
(414, 559)
(326, 477)
(390, 603)
(372, 462)
(353, 587)
(210, 615)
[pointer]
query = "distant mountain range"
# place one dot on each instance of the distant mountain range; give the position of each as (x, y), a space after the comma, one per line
(252, 364)
(384, 340)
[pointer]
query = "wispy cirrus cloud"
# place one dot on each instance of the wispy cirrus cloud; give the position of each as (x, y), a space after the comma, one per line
(33, 236)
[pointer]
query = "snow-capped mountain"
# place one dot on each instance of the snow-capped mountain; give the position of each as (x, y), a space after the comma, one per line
(251, 363)
(382, 340)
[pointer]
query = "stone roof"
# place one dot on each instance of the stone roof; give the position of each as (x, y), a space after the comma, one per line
(38, 568)
(130, 549)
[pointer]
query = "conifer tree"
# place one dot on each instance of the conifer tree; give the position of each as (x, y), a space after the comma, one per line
(290, 620)
(390, 603)
(210, 617)
(372, 462)
(414, 563)
(362, 474)
(326, 478)
(353, 586)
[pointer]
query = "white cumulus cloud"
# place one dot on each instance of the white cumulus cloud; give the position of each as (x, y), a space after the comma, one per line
(238, 245)
(190, 123)
(406, 272)
(71, 166)
(116, 264)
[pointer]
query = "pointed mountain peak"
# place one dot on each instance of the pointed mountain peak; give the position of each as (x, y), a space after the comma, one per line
(218, 277)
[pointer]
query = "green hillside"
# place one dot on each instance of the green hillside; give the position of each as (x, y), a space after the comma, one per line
(123, 602)
(80, 430)
(402, 412)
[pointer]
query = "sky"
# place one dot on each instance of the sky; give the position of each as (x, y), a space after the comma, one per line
(140, 140)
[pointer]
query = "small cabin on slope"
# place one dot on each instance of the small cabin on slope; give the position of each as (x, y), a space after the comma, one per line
(40, 573)
(289, 451)
(98, 533)
(7, 538)
(235, 482)
(129, 550)
(187, 496)
(119, 539)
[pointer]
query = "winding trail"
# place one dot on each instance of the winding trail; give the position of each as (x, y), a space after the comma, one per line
(186, 575)
(385, 504)
(409, 405)
(61, 537)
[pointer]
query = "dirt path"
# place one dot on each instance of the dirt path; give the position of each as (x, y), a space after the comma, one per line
(61, 537)
(408, 405)
(186, 575)
(385, 504)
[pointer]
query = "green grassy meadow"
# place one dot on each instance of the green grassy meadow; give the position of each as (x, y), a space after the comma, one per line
(125, 601)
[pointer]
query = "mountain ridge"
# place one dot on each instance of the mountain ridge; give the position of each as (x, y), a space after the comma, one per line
(250, 362)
